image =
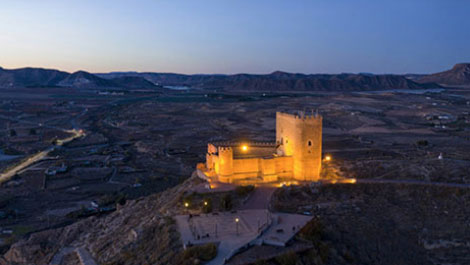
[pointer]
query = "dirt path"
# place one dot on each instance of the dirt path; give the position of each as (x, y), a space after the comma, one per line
(416, 182)
(259, 199)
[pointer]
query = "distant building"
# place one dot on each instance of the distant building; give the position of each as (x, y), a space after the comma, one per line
(52, 171)
(295, 155)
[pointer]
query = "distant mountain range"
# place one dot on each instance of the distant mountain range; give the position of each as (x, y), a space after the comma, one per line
(279, 81)
(276, 81)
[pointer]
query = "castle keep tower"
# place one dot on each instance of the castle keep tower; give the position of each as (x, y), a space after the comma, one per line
(225, 163)
(300, 136)
(294, 156)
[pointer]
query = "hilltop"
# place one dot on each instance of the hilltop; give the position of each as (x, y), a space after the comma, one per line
(39, 77)
(459, 75)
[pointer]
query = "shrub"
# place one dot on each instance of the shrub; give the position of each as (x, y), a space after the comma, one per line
(226, 202)
(261, 262)
(312, 231)
(422, 143)
(114, 198)
(244, 190)
(290, 258)
(324, 252)
(203, 252)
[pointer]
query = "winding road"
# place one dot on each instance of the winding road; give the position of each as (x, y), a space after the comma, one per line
(76, 133)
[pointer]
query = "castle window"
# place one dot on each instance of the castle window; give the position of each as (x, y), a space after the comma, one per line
(309, 143)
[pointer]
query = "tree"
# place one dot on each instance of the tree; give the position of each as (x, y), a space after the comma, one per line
(226, 202)
(207, 205)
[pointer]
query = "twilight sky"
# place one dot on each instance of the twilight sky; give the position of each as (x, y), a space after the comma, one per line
(233, 36)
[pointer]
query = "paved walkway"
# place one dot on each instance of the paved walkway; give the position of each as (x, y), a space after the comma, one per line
(254, 226)
(85, 257)
(57, 259)
(82, 254)
(259, 199)
(285, 227)
(224, 229)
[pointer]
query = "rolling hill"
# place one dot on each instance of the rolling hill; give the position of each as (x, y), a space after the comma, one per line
(39, 77)
(459, 75)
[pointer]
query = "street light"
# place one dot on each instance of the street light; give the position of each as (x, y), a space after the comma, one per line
(328, 158)
(236, 223)
(186, 204)
(205, 203)
(245, 147)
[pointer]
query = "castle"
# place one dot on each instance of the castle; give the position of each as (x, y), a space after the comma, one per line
(295, 155)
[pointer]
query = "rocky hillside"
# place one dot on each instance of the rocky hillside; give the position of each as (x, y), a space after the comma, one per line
(384, 223)
(140, 232)
(459, 75)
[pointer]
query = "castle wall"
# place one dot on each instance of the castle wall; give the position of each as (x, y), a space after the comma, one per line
(284, 166)
(247, 166)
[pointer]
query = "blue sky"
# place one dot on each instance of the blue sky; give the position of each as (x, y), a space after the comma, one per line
(222, 36)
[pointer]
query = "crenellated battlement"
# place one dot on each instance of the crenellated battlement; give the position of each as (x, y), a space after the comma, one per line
(301, 116)
(230, 144)
(225, 149)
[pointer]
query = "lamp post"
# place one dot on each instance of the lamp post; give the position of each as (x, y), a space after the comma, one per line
(236, 223)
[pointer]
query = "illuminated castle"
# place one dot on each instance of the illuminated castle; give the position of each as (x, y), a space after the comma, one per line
(296, 155)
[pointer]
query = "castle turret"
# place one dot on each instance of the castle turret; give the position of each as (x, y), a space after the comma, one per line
(300, 136)
(225, 163)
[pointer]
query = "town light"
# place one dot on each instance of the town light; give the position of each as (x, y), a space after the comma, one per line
(245, 147)
(186, 204)
(205, 203)
(328, 158)
(237, 220)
